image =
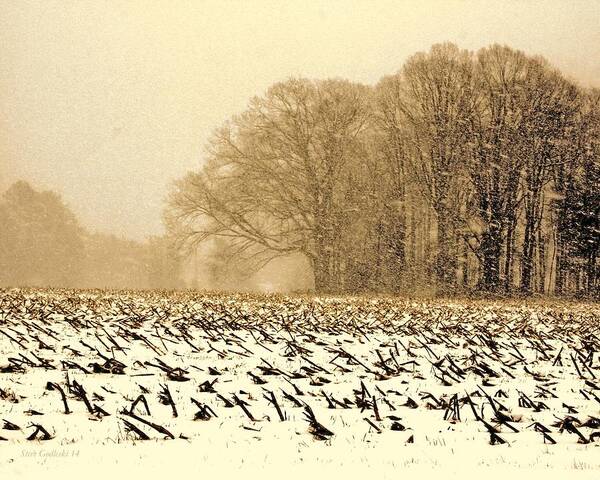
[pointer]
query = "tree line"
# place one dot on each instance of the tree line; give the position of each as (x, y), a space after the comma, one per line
(464, 171)
(43, 244)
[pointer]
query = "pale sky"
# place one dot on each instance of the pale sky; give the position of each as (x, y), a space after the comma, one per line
(107, 102)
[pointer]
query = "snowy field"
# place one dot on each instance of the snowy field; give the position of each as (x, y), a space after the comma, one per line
(105, 383)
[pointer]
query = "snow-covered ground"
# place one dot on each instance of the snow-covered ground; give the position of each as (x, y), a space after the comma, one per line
(364, 386)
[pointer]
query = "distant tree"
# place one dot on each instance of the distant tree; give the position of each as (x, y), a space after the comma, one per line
(114, 262)
(41, 240)
(162, 263)
(43, 244)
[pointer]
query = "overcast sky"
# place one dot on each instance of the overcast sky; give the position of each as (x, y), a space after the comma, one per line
(107, 102)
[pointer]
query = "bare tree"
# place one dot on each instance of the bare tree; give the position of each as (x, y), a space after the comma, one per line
(550, 106)
(577, 205)
(495, 160)
(433, 96)
(273, 181)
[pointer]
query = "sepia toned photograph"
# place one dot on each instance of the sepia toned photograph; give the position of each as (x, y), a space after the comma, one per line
(297, 239)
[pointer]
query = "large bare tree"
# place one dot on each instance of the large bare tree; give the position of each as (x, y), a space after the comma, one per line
(433, 98)
(495, 160)
(274, 178)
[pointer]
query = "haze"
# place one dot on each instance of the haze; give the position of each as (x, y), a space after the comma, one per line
(108, 102)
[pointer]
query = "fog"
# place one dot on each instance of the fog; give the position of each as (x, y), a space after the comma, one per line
(107, 103)
(94, 94)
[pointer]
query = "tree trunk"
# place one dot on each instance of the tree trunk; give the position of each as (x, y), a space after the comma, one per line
(510, 248)
(445, 265)
(321, 274)
(321, 261)
(592, 274)
(529, 243)
(541, 261)
(491, 249)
